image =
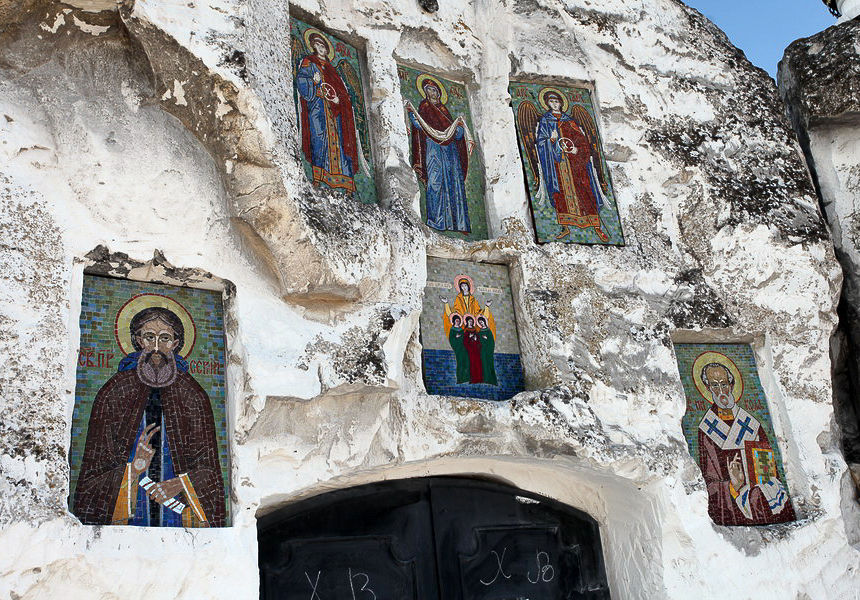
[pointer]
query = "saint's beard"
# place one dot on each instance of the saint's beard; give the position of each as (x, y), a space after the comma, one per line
(156, 376)
(723, 400)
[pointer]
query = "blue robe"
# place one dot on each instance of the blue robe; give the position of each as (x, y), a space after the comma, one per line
(443, 169)
(142, 516)
(328, 129)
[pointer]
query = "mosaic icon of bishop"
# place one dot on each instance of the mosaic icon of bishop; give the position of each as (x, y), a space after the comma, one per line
(736, 455)
(471, 331)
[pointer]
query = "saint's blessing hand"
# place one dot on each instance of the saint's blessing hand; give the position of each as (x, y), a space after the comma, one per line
(143, 453)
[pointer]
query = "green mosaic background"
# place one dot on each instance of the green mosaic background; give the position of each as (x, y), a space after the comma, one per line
(752, 400)
(443, 271)
(457, 105)
(365, 187)
(544, 215)
(102, 298)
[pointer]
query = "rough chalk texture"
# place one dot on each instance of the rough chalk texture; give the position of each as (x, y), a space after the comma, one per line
(168, 129)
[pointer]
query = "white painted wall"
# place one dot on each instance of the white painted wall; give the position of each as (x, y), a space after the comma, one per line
(90, 156)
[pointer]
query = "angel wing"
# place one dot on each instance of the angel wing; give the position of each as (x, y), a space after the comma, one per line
(353, 84)
(297, 50)
(527, 122)
(586, 123)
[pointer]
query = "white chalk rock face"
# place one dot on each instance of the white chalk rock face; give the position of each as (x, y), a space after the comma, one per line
(848, 9)
(817, 79)
(170, 127)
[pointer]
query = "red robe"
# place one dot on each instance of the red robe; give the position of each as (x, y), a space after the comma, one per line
(722, 505)
(437, 117)
(575, 208)
(342, 109)
(473, 347)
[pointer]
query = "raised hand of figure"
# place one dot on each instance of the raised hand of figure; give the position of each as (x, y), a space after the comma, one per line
(409, 106)
(317, 77)
(736, 472)
(488, 302)
(143, 453)
(444, 300)
(167, 489)
(553, 136)
(334, 100)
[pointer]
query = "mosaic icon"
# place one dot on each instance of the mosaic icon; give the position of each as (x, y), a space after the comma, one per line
(332, 112)
(468, 331)
(567, 179)
(728, 428)
(444, 154)
(149, 443)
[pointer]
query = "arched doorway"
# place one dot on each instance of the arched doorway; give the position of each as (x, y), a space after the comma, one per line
(438, 538)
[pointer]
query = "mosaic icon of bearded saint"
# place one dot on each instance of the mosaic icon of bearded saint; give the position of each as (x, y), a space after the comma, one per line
(564, 152)
(151, 455)
(330, 139)
(735, 454)
(441, 147)
(471, 332)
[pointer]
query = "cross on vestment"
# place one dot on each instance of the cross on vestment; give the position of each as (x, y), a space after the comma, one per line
(745, 427)
(713, 428)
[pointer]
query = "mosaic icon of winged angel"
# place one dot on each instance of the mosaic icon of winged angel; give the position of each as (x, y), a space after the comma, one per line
(564, 153)
(330, 109)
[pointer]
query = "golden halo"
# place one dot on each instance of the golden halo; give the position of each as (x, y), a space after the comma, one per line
(455, 314)
(542, 94)
(460, 278)
(419, 83)
(716, 357)
(141, 301)
(307, 35)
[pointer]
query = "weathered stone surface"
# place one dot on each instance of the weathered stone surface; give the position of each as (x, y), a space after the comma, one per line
(819, 76)
(170, 126)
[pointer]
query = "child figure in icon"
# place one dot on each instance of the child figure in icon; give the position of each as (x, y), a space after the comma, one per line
(471, 331)
(331, 111)
(476, 351)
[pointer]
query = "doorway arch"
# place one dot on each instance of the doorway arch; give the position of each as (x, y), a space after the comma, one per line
(433, 538)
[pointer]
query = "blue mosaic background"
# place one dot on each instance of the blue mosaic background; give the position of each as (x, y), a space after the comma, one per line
(99, 356)
(752, 400)
(440, 369)
(544, 215)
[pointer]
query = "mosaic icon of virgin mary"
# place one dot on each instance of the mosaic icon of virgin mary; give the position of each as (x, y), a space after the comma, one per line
(151, 455)
(441, 147)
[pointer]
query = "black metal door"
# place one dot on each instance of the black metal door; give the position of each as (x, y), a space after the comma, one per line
(494, 542)
(430, 539)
